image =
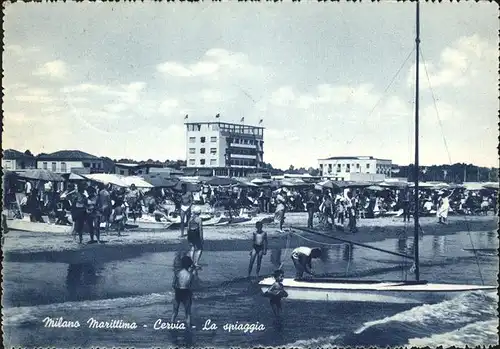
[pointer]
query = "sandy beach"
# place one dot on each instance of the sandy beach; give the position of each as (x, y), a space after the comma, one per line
(29, 246)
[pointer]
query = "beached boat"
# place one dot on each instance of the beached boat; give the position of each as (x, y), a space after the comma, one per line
(325, 289)
(38, 227)
(340, 290)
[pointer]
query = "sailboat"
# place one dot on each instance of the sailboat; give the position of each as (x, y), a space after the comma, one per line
(344, 290)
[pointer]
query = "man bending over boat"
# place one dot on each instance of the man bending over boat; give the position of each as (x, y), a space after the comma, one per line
(302, 260)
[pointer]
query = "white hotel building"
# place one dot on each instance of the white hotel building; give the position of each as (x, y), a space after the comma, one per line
(355, 168)
(224, 149)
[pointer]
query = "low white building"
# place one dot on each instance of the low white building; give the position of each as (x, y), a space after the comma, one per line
(357, 168)
(67, 161)
(14, 160)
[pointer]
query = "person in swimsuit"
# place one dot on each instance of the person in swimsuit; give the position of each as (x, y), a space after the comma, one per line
(79, 211)
(118, 216)
(186, 204)
(280, 208)
(259, 248)
(195, 236)
(302, 258)
(103, 207)
(276, 292)
(183, 279)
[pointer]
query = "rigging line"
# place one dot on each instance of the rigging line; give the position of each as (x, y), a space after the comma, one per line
(435, 107)
(450, 161)
(381, 97)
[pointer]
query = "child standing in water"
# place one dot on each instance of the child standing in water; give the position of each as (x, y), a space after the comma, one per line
(276, 292)
(182, 287)
(259, 248)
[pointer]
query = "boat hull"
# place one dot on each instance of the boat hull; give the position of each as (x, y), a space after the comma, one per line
(36, 227)
(370, 291)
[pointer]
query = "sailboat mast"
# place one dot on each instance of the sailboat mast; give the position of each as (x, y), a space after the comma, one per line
(417, 170)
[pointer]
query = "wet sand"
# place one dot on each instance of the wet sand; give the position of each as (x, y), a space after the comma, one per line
(28, 246)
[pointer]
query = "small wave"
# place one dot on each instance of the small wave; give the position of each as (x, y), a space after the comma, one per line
(23, 315)
(31, 314)
(462, 309)
(481, 333)
(313, 342)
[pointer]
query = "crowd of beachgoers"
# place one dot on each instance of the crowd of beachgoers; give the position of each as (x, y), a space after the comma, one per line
(90, 203)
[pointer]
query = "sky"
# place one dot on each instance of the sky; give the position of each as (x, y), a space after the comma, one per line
(328, 79)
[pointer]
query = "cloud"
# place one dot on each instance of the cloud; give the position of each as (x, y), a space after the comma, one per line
(212, 96)
(215, 65)
(54, 69)
(454, 65)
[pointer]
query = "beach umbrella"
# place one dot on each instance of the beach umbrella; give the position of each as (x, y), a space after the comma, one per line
(158, 181)
(137, 181)
(328, 185)
(491, 185)
(395, 184)
(40, 175)
(375, 188)
(247, 184)
(73, 177)
(189, 186)
(259, 181)
(222, 181)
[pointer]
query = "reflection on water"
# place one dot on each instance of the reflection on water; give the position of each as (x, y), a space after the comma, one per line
(276, 257)
(348, 252)
(438, 245)
(81, 280)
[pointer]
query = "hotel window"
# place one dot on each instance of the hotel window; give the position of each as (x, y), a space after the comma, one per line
(54, 167)
(338, 168)
(192, 139)
(202, 150)
(213, 139)
(192, 150)
(213, 161)
(202, 162)
(329, 168)
(367, 165)
(191, 161)
(357, 165)
(44, 166)
(202, 139)
(213, 151)
(63, 167)
(348, 168)
(215, 127)
(7, 164)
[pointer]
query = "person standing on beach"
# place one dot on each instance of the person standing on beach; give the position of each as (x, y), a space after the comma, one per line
(259, 248)
(444, 208)
(79, 212)
(311, 208)
(406, 205)
(195, 236)
(280, 208)
(103, 207)
(181, 284)
(91, 216)
(276, 292)
(186, 205)
(118, 216)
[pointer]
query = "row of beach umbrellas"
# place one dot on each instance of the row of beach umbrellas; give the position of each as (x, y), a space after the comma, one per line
(157, 180)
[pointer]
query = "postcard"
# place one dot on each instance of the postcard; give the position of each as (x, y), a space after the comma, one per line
(250, 174)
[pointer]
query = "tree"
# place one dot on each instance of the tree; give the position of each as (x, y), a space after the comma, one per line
(291, 168)
(28, 152)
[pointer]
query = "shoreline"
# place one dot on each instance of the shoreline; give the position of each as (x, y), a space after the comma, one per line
(62, 248)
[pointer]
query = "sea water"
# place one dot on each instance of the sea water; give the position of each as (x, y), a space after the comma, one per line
(134, 298)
